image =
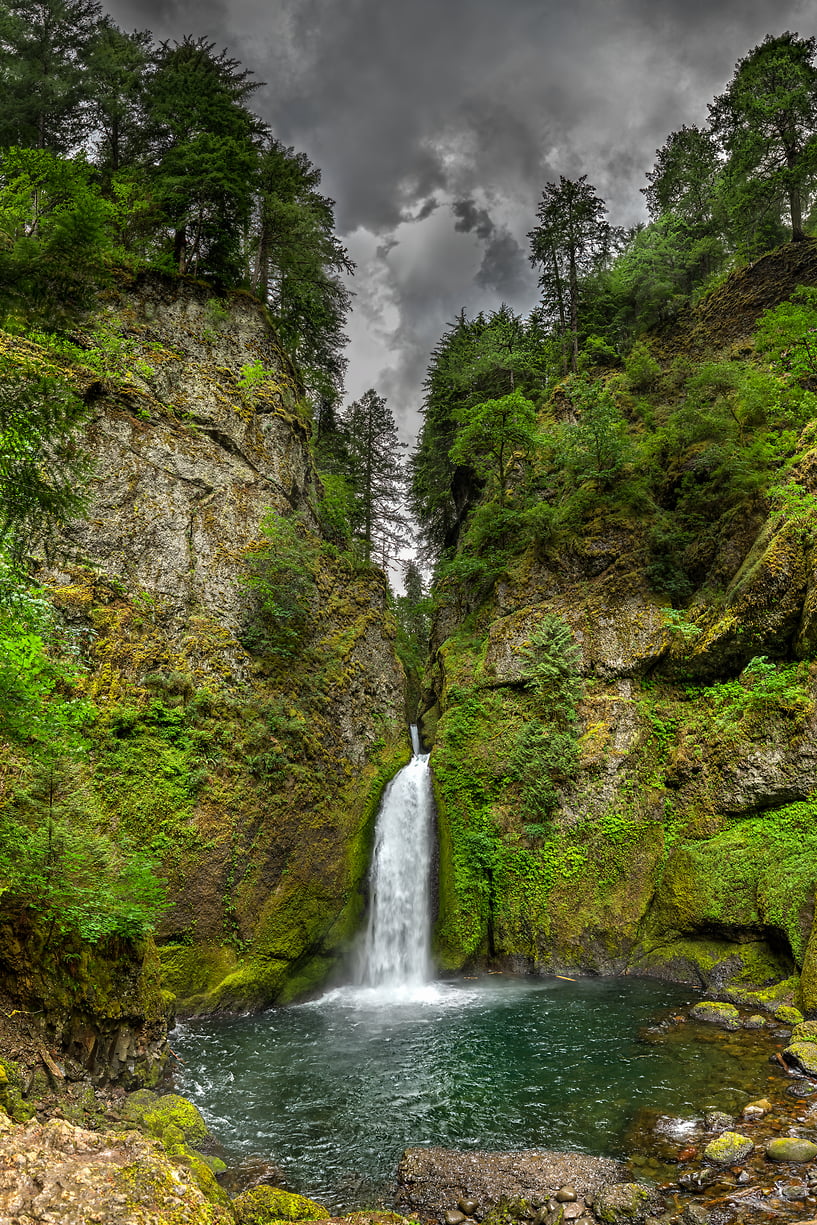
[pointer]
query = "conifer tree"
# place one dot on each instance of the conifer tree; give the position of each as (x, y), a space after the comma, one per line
(44, 46)
(572, 240)
(376, 475)
(204, 141)
(766, 121)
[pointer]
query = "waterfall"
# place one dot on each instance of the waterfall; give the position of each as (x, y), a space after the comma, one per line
(395, 950)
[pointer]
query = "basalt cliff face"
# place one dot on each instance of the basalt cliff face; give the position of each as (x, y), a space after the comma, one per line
(682, 843)
(252, 777)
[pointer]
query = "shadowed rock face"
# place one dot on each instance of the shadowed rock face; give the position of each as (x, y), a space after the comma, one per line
(430, 1181)
(254, 775)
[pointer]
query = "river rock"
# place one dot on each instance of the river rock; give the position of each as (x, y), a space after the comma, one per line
(802, 1055)
(788, 1015)
(755, 1021)
(729, 1148)
(454, 1217)
(756, 1110)
(698, 1180)
(623, 1202)
(801, 1088)
(806, 1031)
(725, 1015)
(791, 1148)
(566, 1195)
(468, 1206)
(429, 1180)
(717, 1120)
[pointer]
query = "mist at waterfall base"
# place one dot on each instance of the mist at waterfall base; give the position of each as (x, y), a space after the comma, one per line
(333, 1090)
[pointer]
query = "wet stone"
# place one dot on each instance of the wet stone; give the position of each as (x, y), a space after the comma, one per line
(755, 1021)
(725, 1015)
(698, 1180)
(572, 1211)
(468, 1206)
(801, 1088)
(454, 1217)
(791, 1148)
(729, 1148)
(717, 1120)
(695, 1214)
(566, 1195)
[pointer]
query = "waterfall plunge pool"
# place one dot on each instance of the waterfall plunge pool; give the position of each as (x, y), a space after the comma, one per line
(333, 1090)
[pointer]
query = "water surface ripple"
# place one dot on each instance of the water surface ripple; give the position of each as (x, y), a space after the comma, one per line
(333, 1090)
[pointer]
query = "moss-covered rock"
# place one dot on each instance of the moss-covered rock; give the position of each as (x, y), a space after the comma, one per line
(622, 1202)
(171, 1112)
(788, 1015)
(729, 1148)
(725, 1015)
(791, 1148)
(263, 1205)
(802, 1055)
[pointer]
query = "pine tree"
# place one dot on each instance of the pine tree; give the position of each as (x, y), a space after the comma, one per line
(296, 265)
(572, 241)
(377, 476)
(44, 46)
(766, 121)
(205, 155)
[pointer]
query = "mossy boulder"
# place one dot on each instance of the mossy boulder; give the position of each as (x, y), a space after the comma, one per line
(729, 1148)
(791, 1148)
(788, 1015)
(622, 1202)
(725, 1015)
(262, 1205)
(173, 1117)
(806, 1031)
(802, 1055)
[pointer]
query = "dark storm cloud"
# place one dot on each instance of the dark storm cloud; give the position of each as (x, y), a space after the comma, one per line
(463, 110)
(471, 219)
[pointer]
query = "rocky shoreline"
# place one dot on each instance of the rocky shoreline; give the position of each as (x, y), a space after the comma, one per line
(77, 1153)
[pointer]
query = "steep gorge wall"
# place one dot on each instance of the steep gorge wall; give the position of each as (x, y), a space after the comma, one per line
(685, 842)
(253, 779)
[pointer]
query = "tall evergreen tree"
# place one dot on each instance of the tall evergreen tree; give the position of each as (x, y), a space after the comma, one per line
(766, 121)
(205, 147)
(44, 45)
(377, 476)
(685, 177)
(572, 241)
(297, 263)
(118, 67)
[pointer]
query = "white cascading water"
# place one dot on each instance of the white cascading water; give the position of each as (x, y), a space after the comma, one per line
(395, 952)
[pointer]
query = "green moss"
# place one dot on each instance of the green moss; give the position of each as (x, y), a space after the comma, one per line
(173, 1111)
(262, 1205)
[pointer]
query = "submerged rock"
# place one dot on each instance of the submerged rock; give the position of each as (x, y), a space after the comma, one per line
(728, 1149)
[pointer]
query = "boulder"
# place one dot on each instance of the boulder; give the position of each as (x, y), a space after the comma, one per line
(725, 1015)
(791, 1148)
(802, 1055)
(729, 1148)
(623, 1202)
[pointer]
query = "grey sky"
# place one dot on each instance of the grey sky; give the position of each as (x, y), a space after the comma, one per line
(437, 123)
